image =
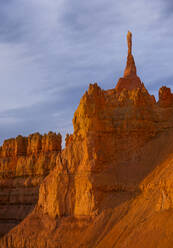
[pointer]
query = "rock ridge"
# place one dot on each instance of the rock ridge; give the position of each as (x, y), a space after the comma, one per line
(24, 162)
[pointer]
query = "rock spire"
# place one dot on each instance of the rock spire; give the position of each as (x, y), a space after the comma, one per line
(130, 80)
(129, 42)
(130, 70)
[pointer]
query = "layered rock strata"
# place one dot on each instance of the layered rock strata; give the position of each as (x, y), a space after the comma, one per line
(112, 184)
(24, 162)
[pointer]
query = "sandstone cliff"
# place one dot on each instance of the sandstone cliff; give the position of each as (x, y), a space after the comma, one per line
(112, 184)
(24, 162)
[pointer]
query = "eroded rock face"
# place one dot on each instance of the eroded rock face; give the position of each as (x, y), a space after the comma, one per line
(103, 154)
(165, 97)
(118, 139)
(113, 181)
(24, 162)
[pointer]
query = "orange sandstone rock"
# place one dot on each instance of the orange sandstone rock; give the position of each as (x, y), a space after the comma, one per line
(34, 143)
(130, 80)
(51, 142)
(112, 184)
(165, 97)
(24, 162)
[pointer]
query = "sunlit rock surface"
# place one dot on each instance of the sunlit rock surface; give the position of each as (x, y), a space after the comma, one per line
(24, 162)
(112, 184)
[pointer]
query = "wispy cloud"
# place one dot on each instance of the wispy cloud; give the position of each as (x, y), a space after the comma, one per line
(51, 50)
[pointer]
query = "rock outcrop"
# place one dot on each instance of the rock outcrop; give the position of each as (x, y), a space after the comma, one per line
(112, 184)
(24, 162)
(165, 97)
(130, 80)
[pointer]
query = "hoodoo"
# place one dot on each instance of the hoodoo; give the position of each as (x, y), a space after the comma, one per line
(130, 80)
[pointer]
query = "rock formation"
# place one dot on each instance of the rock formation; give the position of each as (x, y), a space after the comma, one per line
(112, 184)
(130, 80)
(24, 162)
(165, 97)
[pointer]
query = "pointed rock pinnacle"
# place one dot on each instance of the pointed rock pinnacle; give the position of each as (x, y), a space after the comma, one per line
(130, 80)
(130, 70)
(129, 42)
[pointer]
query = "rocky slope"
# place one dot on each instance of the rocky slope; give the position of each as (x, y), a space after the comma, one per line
(24, 162)
(112, 184)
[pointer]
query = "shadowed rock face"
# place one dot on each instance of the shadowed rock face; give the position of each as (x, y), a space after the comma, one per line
(112, 184)
(24, 162)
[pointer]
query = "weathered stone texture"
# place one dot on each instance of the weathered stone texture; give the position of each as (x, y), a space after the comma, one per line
(24, 162)
(112, 184)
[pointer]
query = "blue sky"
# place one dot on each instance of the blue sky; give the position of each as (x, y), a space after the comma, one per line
(51, 50)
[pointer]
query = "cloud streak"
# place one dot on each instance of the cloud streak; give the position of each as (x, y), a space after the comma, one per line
(51, 50)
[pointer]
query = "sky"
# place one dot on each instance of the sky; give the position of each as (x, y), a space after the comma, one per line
(51, 50)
